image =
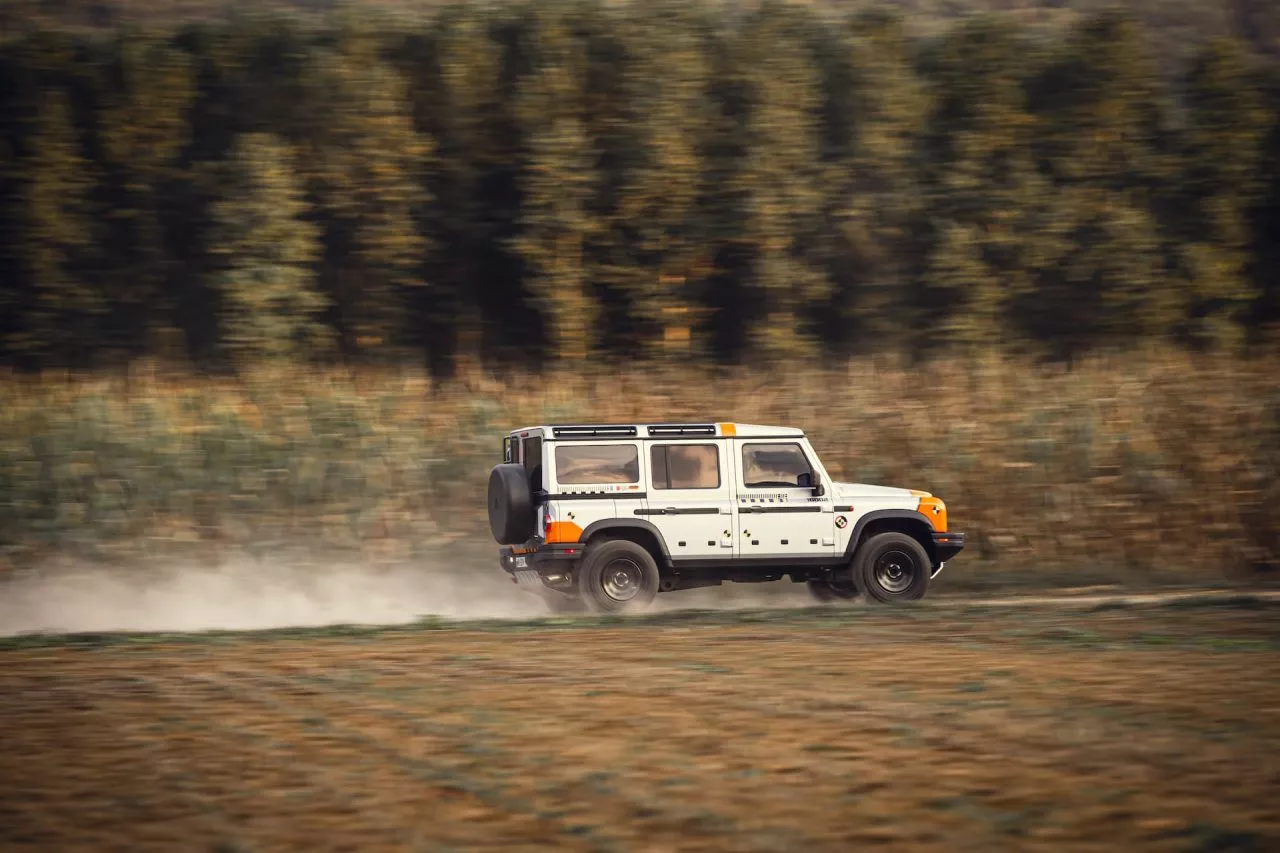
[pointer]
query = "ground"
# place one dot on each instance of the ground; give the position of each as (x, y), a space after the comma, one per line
(938, 727)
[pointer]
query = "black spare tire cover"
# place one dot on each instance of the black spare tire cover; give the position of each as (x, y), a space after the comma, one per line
(512, 519)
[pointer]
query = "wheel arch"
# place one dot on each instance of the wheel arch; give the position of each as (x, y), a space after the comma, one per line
(643, 533)
(912, 523)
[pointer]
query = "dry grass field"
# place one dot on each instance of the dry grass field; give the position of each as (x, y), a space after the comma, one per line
(939, 727)
(1143, 469)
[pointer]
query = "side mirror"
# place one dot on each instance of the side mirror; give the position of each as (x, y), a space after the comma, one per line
(811, 481)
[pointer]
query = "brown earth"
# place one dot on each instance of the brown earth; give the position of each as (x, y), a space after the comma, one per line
(933, 728)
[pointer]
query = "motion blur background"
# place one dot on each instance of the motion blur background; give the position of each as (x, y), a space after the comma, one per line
(276, 277)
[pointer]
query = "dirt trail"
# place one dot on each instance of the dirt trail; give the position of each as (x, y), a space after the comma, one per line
(249, 596)
(1152, 728)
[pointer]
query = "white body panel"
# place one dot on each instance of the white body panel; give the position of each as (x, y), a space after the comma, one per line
(780, 521)
(854, 500)
(694, 522)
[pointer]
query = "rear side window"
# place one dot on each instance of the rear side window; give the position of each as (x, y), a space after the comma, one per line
(531, 452)
(583, 464)
(685, 466)
(773, 465)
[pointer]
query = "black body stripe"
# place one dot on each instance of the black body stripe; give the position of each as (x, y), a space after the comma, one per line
(759, 509)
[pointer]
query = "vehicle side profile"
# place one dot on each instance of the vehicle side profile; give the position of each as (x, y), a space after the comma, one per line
(604, 517)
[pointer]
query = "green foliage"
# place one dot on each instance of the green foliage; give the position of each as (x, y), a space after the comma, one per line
(59, 238)
(523, 182)
(268, 250)
(366, 164)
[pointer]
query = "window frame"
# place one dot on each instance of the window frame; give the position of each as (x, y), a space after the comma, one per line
(635, 448)
(796, 444)
(653, 467)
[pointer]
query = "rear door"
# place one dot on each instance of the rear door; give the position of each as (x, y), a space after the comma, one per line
(690, 496)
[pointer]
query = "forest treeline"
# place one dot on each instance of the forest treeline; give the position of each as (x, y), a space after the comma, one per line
(534, 179)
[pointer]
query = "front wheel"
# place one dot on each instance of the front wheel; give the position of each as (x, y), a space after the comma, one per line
(617, 576)
(892, 567)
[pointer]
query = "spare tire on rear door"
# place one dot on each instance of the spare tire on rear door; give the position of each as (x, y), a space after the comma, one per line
(511, 514)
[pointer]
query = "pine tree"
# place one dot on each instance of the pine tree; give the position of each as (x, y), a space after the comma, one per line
(365, 162)
(64, 319)
(266, 248)
(977, 179)
(874, 115)
(781, 177)
(462, 99)
(558, 185)
(647, 93)
(1219, 185)
(1265, 222)
(142, 130)
(1096, 240)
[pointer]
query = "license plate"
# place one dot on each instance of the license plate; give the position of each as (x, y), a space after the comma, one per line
(528, 579)
(520, 562)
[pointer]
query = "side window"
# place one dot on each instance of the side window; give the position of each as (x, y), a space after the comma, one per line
(772, 465)
(685, 466)
(531, 452)
(592, 464)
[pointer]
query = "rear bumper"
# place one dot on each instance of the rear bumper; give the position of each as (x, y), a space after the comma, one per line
(947, 545)
(542, 569)
(558, 557)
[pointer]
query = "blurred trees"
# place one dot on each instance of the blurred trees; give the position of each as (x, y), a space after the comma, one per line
(267, 251)
(567, 178)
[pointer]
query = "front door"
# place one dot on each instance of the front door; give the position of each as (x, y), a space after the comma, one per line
(778, 515)
(689, 497)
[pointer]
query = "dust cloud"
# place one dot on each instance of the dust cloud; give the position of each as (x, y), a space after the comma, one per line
(250, 595)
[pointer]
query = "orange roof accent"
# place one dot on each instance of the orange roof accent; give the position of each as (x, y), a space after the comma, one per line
(728, 429)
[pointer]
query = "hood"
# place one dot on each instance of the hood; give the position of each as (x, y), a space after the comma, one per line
(863, 490)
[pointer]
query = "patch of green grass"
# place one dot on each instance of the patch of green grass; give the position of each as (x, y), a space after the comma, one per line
(707, 667)
(1209, 838)
(1069, 636)
(820, 747)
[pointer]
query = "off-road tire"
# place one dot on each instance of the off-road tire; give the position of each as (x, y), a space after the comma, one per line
(827, 592)
(617, 576)
(512, 517)
(890, 568)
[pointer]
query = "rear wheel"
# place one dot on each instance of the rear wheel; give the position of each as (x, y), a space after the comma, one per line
(617, 576)
(892, 567)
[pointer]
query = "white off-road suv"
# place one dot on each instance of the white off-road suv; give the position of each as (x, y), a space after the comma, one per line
(604, 517)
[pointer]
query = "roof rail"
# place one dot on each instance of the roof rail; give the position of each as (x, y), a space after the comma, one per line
(681, 429)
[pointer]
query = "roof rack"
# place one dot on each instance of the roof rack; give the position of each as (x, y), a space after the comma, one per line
(601, 430)
(681, 429)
